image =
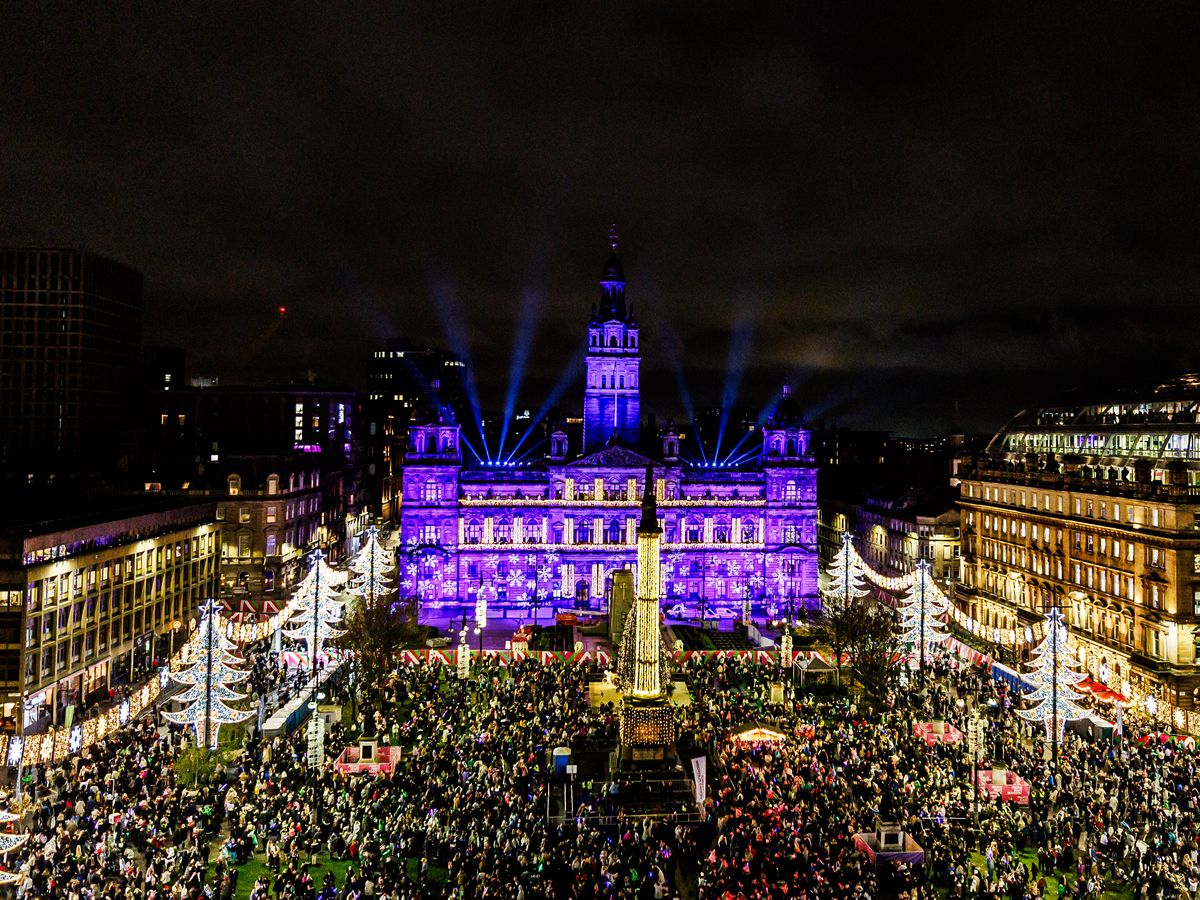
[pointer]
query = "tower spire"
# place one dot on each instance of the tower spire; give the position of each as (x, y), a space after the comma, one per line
(612, 282)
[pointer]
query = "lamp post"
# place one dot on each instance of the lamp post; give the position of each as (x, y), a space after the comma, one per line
(974, 733)
(481, 610)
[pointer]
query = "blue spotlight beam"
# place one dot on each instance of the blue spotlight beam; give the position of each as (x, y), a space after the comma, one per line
(735, 363)
(565, 380)
(737, 447)
(526, 323)
(454, 327)
(468, 445)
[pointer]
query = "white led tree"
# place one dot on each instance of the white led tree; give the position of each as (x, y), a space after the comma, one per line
(1053, 678)
(371, 570)
(847, 576)
(315, 608)
(842, 602)
(211, 668)
(921, 613)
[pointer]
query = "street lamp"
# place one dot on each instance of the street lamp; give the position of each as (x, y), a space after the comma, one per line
(481, 610)
(974, 731)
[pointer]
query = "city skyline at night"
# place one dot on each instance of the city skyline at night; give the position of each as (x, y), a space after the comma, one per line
(891, 212)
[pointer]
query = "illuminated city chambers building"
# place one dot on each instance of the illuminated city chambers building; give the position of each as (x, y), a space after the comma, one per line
(556, 530)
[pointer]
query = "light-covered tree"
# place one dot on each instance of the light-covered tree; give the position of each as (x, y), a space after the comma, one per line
(212, 666)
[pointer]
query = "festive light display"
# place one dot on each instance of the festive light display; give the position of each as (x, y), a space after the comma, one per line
(316, 608)
(785, 648)
(847, 576)
(371, 570)
(647, 720)
(1052, 677)
(921, 611)
(213, 667)
(464, 656)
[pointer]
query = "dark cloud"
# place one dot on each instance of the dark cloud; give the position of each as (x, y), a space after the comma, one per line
(895, 206)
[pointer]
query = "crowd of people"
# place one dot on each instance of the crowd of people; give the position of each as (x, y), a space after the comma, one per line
(476, 810)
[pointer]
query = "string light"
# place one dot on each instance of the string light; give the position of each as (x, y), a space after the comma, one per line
(214, 666)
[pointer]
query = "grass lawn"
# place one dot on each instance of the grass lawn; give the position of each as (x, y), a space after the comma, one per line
(248, 873)
(1115, 892)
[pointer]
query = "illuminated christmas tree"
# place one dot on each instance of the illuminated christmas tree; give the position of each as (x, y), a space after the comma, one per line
(921, 615)
(1053, 678)
(10, 841)
(315, 607)
(847, 577)
(213, 666)
(371, 569)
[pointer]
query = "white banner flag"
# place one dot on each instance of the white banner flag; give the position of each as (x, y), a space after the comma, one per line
(699, 771)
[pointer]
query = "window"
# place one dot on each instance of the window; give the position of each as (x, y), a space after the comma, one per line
(1154, 557)
(272, 512)
(473, 533)
(243, 540)
(243, 515)
(272, 484)
(271, 544)
(235, 485)
(429, 534)
(789, 490)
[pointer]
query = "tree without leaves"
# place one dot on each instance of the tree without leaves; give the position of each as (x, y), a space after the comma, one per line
(875, 646)
(836, 624)
(375, 633)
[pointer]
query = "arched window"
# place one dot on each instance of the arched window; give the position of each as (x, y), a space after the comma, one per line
(789, 490)
(594, 341)
(272, 484)
(431, 492)
(622, 381)
(603, 381)
(791, 447)
(614, 532)
(235, 485)
(612, 341)
(776, 446)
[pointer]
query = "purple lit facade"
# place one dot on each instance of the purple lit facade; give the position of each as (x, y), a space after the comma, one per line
(553, 533)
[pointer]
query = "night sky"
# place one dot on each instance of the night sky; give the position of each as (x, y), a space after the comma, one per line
(894, 207)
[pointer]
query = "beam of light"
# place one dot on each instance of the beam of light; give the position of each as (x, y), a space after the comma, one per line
(738, 446)
(531, 300)
(765, 412)
(736, 359)
(479, 459)
(454, 328)
(670, 349)
(743, 459)
(565, 380)
(524, 457)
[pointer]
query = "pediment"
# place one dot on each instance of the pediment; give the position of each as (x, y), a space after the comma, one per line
(614, 457)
